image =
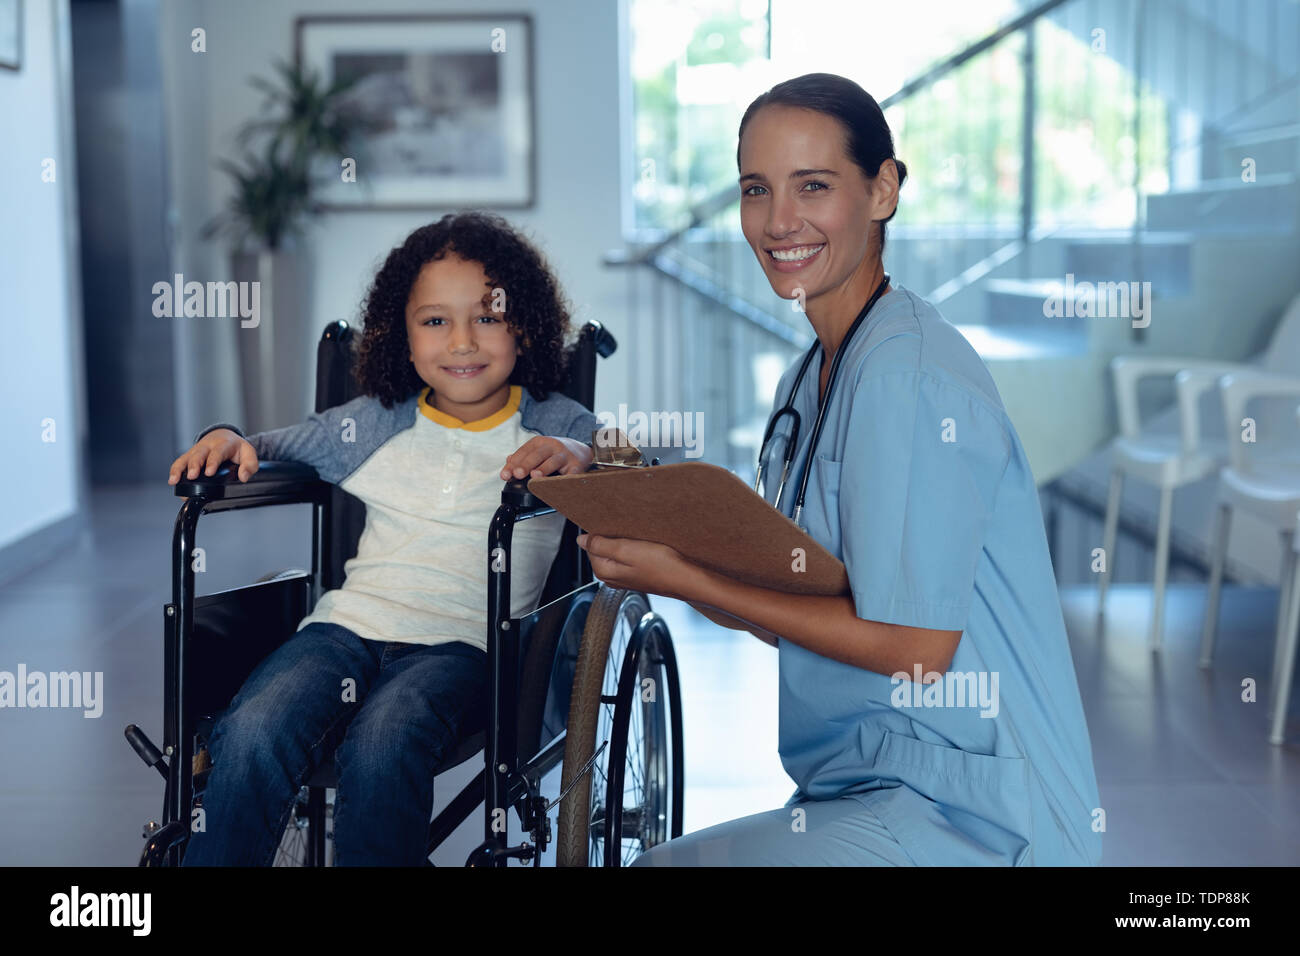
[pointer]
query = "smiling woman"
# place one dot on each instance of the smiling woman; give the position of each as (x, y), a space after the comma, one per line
(911, 473)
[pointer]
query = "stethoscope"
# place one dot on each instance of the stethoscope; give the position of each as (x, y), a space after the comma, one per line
(788, 409)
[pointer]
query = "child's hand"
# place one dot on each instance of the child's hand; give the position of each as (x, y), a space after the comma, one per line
(546, 455)
(211, 450)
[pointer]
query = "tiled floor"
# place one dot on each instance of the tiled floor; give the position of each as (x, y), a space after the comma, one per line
(1186, 773)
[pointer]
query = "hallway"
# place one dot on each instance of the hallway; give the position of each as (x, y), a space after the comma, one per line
(1185, 771)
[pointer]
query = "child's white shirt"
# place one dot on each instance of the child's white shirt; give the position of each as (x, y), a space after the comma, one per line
(420, 574)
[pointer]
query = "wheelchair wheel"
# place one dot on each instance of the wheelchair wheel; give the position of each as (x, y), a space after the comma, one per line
(294, 842)
(297, 832)
(626, 694)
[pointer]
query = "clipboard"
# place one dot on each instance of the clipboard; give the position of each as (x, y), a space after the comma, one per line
(706, 513)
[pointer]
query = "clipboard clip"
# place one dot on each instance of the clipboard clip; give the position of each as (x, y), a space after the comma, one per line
(611, 449)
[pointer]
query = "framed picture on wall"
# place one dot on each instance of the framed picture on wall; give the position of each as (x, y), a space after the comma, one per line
(447, 103)
(11, 34)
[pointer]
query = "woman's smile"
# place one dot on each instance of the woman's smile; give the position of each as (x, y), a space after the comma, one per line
(793, 258)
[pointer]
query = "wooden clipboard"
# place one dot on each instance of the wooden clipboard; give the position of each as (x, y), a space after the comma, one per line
(706, 513)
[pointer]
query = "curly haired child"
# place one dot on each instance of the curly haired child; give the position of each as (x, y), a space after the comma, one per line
(460, 361)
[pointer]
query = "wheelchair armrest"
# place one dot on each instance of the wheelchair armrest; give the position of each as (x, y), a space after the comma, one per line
(515, 492)
(272, 479)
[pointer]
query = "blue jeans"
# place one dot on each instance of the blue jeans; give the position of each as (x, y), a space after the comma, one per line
(408, 706)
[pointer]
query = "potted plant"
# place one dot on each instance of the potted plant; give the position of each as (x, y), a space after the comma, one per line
(284, 157)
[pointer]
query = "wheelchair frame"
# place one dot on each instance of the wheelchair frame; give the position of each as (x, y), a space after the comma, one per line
(506, 780)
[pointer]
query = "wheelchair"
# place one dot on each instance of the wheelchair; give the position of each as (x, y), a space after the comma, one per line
(587, 680)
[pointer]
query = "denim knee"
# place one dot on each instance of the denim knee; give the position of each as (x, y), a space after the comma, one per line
(244, 732)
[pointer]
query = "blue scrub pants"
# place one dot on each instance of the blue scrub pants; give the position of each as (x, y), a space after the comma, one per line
(840, 832)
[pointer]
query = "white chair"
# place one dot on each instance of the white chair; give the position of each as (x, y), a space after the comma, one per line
(1269, 489)
(1286, 653)
(1166, 461)
(1171, 461)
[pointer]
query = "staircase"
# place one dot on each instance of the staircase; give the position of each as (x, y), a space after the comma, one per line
(1220, 237)
(1216, 245)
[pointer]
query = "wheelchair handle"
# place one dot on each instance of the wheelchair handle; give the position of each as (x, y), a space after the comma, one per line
(145, 748)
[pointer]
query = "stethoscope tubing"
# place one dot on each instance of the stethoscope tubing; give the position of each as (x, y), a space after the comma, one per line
(823, 405)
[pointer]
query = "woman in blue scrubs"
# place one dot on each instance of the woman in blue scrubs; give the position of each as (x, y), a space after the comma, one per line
(932, 715)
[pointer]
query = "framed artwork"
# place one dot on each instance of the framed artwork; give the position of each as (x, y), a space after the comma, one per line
(11, 34)
(447, 103)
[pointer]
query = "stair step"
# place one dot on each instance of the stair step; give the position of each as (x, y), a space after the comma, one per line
(1271, 204)
(1228, 184)
(1165, 261)
(1269, 134)
(1274, 149)
(1008, 343)
(1023, 303)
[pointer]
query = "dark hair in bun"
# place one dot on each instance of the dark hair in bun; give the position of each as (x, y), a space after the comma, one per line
(868, 140)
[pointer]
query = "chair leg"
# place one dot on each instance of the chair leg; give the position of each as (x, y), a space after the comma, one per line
(1108, 537)
(1284, 599)
(1162, 566)
(1286, 665)
(1219, 544)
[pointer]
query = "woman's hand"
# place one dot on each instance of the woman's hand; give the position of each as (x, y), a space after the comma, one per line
(658, 569)
(210, 451)
(547, 455)
(641, 566)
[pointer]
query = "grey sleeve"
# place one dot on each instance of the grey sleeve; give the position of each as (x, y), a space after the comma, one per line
(581, 427)
(307, 442)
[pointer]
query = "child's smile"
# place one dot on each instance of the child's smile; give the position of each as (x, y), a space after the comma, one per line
(464, 371)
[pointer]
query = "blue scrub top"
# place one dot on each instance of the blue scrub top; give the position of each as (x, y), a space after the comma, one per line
(921, 487)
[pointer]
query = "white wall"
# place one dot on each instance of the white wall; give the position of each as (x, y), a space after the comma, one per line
(575, 220)
(40, 363)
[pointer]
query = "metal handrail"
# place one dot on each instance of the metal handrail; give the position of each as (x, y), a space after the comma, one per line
(979, 46)
(727, 195)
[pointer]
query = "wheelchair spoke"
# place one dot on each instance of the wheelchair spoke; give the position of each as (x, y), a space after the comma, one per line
(293, 849)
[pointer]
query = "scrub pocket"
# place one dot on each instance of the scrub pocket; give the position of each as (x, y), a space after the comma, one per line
(955, 808)
(821, 515)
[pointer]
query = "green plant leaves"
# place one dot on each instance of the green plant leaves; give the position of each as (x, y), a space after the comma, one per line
(274, 186)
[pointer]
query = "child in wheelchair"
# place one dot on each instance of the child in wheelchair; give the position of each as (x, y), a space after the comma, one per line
(460, 364)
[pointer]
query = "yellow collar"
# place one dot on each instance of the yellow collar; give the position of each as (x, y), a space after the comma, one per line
(479, 425)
